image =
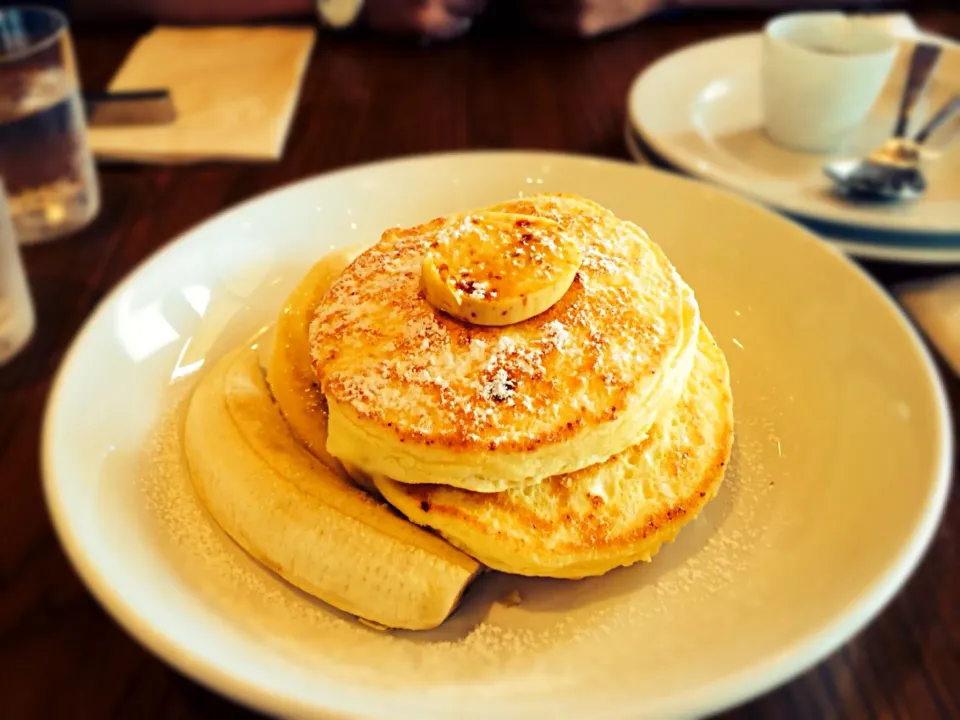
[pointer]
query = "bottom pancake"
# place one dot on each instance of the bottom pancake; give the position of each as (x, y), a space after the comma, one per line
(612, 514)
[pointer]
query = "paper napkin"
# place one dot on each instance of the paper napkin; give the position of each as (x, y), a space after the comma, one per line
(235, 90)
(935, 307)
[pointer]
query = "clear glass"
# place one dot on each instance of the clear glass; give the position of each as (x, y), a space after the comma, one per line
(45, 160)
(17, 318)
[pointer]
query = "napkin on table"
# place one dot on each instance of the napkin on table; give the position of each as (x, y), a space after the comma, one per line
(234, 89)
(935, 306)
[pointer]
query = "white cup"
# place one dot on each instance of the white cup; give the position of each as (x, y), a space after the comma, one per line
(821, 72)
(17, 320)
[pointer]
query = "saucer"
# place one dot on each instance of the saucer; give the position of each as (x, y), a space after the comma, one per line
(700, 110)
(864, 244)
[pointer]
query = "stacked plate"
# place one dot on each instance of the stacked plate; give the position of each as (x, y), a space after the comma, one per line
(699, 111)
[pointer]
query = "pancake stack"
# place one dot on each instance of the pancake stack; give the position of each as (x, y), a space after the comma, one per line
(532, 381)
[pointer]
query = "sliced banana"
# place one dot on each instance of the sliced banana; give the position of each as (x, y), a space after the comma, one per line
(295, 515)
(494, 268)
(290, 374)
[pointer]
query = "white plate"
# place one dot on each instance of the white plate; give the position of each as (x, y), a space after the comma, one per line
(838, 478)
(859, 244)
(699, 109)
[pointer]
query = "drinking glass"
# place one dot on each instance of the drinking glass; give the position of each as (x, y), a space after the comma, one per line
(44, 156)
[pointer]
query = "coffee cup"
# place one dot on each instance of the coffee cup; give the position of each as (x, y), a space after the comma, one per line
(821, 72)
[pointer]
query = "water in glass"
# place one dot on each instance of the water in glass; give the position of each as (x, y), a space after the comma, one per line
(44, 157)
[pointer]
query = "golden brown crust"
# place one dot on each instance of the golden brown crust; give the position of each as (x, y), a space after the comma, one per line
(382, 351)
(565, 527)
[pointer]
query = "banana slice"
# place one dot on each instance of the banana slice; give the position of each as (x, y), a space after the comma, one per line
(290, 372)
(296, 516)
(493, 268)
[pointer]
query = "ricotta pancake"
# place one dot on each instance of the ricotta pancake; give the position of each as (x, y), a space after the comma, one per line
(593, 520)
(422, 397)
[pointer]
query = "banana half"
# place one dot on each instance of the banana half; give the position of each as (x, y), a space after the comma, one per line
(495, 268)
(295, 515)
(291, 377)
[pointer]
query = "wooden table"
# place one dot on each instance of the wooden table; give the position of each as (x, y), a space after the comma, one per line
(62, 656)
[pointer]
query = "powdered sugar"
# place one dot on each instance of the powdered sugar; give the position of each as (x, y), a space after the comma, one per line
(478, 291)
(383, 349)
(499, 388)
(556, 335)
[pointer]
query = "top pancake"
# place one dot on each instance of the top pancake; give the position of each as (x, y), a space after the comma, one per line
(420, 397)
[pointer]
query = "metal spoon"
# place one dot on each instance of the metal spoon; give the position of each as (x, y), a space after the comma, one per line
(891, 172)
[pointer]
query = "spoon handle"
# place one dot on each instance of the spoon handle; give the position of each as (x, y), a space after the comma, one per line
(945, 113)
(922, 62)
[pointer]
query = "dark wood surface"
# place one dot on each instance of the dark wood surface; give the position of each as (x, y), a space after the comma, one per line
(61, 655)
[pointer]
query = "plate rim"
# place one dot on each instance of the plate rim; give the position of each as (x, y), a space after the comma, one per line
(862, 249)
(719, 695)
(682, 161)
